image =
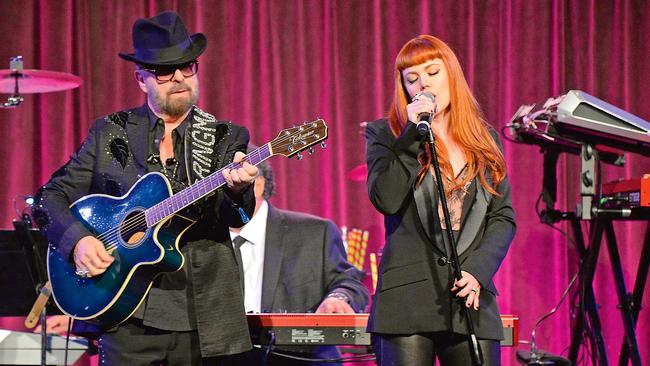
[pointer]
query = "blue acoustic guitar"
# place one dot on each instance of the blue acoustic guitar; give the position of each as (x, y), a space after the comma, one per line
(142, 230)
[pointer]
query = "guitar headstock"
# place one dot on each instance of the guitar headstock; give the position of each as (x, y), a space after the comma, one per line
(292, 141)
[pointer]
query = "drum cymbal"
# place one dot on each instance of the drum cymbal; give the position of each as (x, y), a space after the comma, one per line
(358, 173)
(37, 81)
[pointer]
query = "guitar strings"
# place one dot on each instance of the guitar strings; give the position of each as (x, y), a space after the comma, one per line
(138, 221)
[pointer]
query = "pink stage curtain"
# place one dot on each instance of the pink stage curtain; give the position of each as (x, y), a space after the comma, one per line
(272, 64)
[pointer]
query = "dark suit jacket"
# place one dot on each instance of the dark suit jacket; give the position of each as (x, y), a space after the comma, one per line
(413, 293)
(304, 260)
(110, 160)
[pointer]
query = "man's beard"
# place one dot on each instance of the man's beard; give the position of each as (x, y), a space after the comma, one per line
(176, 106)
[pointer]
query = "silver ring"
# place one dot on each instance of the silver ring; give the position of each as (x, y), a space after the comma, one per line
(82, 273)
(475, 290)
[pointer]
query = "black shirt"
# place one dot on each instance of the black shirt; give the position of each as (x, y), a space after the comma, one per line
(167, 306)
(175, 171)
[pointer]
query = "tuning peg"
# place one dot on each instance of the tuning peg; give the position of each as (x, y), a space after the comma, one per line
(299, 156)
(290, 149)
(311, 150)
(323, 144)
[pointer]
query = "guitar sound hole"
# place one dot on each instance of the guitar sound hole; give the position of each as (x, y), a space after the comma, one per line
(135, 238)
(133, 229)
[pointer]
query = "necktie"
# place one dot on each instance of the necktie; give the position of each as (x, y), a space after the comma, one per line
(238, 241)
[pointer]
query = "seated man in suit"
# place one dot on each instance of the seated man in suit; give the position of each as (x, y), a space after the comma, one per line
(293, 263)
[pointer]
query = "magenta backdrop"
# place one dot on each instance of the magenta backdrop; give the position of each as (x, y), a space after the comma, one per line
(270, 64)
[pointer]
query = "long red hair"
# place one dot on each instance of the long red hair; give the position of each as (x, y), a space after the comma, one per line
(466, 123)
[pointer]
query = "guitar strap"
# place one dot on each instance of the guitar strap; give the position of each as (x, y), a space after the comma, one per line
(203, 149)
(200, 143)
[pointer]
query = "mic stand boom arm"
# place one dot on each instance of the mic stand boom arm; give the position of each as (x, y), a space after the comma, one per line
(475, 347)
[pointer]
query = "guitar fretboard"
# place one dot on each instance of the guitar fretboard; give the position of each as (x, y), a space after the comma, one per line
(196, 191)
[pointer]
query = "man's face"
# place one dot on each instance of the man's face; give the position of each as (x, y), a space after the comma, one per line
(175, 94)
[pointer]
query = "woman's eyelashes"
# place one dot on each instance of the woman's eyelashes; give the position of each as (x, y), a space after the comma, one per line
(414, 79)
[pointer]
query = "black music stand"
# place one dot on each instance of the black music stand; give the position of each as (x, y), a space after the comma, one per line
(23, 253)
(22, 258)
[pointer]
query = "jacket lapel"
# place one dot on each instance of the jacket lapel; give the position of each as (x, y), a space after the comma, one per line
(137, 128)
(273, 254)
(468, 201)
(474, 209)
(427, 202)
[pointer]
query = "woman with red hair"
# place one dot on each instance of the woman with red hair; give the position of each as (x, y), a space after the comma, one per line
(418, 313)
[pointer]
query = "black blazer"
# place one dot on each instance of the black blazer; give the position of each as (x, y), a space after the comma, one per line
(413, 293)
(110, 160)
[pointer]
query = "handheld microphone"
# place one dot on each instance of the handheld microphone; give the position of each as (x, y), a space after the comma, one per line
(424, 119)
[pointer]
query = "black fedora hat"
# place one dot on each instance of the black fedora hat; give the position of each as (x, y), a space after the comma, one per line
(163, 41)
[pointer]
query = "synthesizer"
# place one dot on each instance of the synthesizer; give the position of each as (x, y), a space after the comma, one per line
(627, 193)
(296, 329)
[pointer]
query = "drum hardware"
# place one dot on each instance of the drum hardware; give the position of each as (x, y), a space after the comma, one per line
(17, 80)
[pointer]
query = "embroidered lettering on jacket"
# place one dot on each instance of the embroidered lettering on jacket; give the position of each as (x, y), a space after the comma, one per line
(203, 138)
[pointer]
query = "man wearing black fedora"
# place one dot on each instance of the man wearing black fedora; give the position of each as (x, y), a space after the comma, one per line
(195, 315)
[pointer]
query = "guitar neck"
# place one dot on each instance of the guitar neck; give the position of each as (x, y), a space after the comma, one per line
(289, 142)
(200, 189)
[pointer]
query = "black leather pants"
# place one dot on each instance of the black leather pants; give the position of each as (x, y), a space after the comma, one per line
(422, 349)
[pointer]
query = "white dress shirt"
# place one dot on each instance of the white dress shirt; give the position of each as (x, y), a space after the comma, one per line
(252, 256)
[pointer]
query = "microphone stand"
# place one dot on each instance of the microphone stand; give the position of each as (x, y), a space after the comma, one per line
(475, 347)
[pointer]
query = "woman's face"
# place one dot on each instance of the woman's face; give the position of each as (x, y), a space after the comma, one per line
(430, 76)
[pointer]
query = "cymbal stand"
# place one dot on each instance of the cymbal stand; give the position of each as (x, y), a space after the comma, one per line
(16, 66)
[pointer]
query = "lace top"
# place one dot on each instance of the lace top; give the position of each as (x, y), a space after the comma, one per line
(454, 201)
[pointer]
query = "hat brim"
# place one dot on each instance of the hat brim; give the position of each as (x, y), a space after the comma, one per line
(198, 45)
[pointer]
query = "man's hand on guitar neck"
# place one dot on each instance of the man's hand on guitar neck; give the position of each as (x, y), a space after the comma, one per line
(90, 257)
(238, 179)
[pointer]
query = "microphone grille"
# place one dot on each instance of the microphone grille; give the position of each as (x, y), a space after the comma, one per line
(428, 95)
